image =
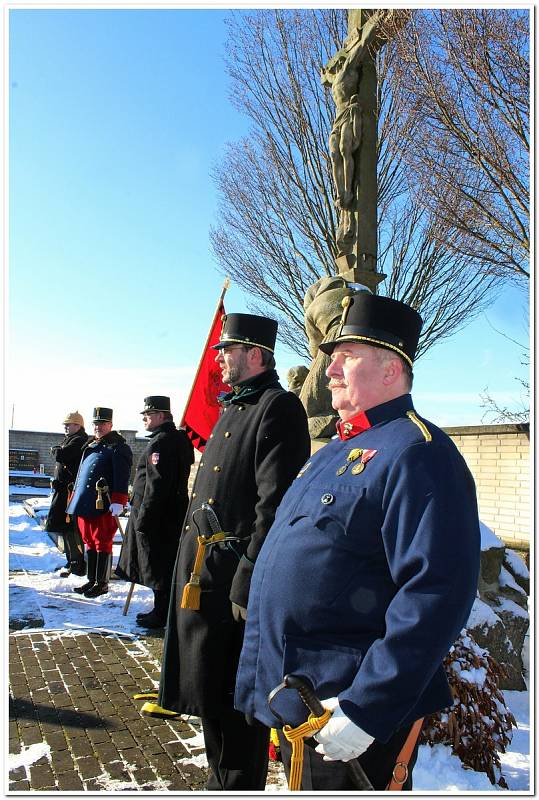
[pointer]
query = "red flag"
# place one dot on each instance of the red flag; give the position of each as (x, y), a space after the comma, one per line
(202, 409)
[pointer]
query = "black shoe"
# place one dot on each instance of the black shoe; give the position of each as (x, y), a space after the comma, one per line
(97, 589)
(84, 588)
(142, 616)
(152, 620)
(65, 572)
(61, 568)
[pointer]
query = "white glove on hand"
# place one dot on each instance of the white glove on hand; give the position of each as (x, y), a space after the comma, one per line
(340, 739)
(116, 509)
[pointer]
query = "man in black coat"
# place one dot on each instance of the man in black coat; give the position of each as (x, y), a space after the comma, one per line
(67, 455)
(158, 505)
(253, 454)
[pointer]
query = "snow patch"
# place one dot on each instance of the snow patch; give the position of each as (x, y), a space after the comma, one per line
(489, 539)
(29, 755)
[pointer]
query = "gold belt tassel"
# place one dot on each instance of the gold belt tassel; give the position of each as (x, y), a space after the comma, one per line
(191, 590)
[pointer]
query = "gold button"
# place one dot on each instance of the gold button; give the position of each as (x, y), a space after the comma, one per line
(217, 468)
(211, 435)
(187, 527)
(211, 501)
(194, 494)
(241, 408)
(201, 464)
(227, 435)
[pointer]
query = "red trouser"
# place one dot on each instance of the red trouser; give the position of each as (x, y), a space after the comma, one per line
(98, 532)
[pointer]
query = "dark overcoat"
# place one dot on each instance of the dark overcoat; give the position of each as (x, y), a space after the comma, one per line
(110, 458)
(158, 505)
(68, 455)
(252, 455)
(366, 577)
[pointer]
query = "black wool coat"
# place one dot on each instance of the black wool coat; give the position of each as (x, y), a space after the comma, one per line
(254, 452)
(68, 455)
(158, 504)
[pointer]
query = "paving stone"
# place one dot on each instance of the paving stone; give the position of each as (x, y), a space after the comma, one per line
(88, 766)
(70, 782)
(61, 761)
(19, 786)
(42, 777)
(117, 771)
(17, 774)
(82, 746)
(123, 740)
(145, 774)
(57, 741)
(31, 736)
(162, 763)
(98, 735)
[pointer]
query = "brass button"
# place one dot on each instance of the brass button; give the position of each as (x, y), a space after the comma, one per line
(217, 468)
(201, 464)
(194, 494)
(241, 408)
(211, 435)
(187, 527)
(227, 435)
(211, 501)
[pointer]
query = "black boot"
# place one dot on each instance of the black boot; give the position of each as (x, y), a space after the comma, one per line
(91, 555)
(78, 568)
(74, 551)
(157, 618)
(101, 585)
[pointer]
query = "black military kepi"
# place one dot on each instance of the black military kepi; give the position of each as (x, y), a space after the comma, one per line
(378, 321)
(102, 414)
(156, 402)
(248, 329)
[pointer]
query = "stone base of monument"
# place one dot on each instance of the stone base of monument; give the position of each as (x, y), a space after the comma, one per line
(499, 620)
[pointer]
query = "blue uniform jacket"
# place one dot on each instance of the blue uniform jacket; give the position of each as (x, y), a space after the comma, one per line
(109, 458)
(366, 579)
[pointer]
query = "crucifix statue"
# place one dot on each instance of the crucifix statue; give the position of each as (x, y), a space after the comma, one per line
(351, 74)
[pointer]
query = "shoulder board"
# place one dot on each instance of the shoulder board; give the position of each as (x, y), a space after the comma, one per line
(421, 425)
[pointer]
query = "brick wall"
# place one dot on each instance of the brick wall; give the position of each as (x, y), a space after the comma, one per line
(499, 459)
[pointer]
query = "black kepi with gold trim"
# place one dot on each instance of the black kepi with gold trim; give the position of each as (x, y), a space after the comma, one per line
(248, 329)
(156, 402)
(102, 414)
(378, 321)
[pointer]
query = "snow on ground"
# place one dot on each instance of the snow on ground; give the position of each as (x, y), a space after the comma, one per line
(33, 582)
(32, 559)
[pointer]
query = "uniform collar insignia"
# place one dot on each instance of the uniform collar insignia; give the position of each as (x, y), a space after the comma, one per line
(350, 428)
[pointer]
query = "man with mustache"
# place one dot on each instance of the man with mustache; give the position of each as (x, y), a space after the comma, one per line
(370, 569)
(252, 456)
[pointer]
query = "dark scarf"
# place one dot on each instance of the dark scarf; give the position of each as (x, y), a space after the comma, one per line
(249, 388)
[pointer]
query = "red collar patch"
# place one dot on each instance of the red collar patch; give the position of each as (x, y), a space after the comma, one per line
(350, 428)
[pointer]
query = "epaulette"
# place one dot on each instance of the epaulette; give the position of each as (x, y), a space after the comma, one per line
(421, 425)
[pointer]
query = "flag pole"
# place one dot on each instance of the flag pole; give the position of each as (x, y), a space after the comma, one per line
(226, 284)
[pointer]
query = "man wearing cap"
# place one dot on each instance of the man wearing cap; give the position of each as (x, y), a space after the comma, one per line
(106, 458)
(370, 569)
(67, 455)
(158, 505)
(252, 455)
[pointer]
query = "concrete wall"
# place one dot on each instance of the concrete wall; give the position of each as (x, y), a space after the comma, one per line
(499, 459)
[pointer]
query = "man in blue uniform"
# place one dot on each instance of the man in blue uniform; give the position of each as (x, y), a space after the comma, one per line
(106, 457)
(370, 568)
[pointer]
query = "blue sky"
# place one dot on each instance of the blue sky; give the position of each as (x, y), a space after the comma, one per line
(116, 118)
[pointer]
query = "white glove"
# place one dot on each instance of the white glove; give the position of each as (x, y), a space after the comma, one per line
(340, 739)
(116, 509)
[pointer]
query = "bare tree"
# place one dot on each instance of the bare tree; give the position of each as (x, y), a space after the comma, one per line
(464, 75)
(277, 220)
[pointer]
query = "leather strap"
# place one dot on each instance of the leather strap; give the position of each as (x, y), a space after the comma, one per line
(400, 770)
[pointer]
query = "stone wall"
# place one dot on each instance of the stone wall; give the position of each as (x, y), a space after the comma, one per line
(499, 459)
